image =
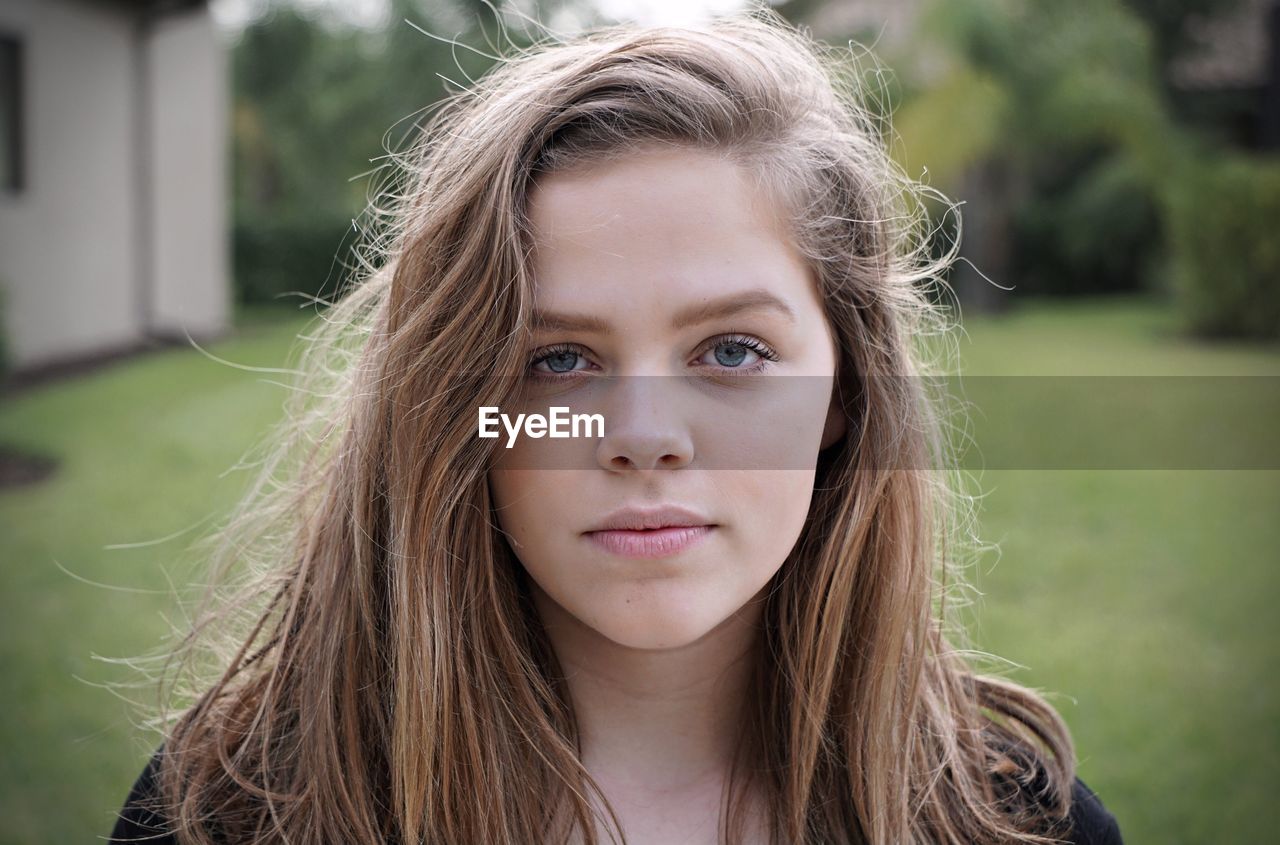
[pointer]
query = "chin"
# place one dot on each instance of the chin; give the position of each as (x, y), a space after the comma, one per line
(654, 638)
(651, 625)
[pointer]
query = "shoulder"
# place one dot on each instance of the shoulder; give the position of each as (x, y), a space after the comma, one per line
(139, 819)
(1091, 822)
(1025, 789)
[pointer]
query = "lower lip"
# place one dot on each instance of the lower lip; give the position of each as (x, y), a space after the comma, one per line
(659, 542)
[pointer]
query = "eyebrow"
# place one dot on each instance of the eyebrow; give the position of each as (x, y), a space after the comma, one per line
(755, 299)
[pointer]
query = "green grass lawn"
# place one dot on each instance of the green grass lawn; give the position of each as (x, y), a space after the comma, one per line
(142, 446)
(1141, 598)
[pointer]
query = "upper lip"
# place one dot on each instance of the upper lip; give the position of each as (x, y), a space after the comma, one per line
(637, 519)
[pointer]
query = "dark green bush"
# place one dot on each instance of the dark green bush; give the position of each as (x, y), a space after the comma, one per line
(277, 256)
(1225, 253)
(1090, 226)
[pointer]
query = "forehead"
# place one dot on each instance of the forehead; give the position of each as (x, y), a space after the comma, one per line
(680, 220)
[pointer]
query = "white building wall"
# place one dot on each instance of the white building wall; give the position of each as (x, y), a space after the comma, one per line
(68, 239)
(188, 184)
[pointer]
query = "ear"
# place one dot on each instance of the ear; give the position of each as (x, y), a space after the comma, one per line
(836, 424)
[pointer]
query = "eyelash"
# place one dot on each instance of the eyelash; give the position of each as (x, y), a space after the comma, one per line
(766, 353)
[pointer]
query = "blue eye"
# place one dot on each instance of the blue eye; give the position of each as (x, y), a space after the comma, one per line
(731, 350)
(560, 359)
(562, 362)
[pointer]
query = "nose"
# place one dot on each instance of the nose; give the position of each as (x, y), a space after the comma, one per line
(645, 428)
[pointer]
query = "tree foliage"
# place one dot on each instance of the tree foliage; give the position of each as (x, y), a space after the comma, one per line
(317, 108)
(1101, 189)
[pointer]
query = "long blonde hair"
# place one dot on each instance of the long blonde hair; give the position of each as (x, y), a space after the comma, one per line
(379, 673)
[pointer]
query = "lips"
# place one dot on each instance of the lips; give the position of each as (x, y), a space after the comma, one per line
(650, 532)
(659, 542)
(650, 519)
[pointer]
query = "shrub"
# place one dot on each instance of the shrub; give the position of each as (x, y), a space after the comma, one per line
(1225, 254)
(1090, 226)
(278, 255)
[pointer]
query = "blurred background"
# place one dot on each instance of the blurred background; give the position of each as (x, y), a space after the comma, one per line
(179, 180)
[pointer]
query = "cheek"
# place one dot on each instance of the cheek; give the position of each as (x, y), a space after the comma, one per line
(520, 503)
(540, 512)
(768, 510)
(775, 425)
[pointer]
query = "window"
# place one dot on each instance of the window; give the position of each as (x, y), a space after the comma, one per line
(10, 114)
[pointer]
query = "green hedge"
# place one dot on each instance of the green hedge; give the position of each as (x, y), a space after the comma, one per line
(1090, 226)
(276, 256)
(1225, 253)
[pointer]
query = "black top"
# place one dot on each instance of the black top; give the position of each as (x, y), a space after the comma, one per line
(1091, 822)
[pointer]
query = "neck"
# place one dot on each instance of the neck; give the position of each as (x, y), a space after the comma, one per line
(663, 719)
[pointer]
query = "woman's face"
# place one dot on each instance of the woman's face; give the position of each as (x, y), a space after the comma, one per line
(658, 279)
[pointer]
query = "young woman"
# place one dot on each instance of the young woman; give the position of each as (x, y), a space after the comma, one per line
(724, 618)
